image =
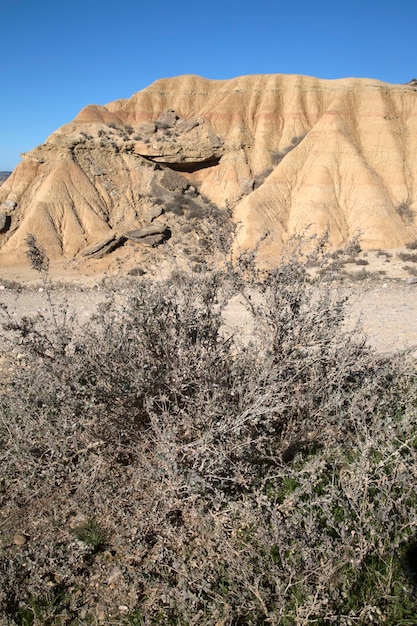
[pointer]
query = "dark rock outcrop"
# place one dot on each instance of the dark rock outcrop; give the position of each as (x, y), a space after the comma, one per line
(99, 250)
(152, 235)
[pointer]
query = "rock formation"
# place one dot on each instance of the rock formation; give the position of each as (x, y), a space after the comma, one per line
(281, 152)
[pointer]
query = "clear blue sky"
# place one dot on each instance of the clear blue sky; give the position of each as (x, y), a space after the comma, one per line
(57, 56)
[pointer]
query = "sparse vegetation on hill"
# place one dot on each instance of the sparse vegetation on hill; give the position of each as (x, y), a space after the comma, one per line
(159, 468)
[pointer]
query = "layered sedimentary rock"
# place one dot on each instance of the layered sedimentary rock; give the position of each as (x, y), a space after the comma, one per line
(280, 152)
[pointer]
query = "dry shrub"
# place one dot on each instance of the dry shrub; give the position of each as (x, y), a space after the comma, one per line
(411, 269)
(362, 274)
(407, 257)
(222, 481)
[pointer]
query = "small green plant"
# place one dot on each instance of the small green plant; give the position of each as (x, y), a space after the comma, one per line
(43, 610)
(367, 590)
(91, 533)
(135, 619)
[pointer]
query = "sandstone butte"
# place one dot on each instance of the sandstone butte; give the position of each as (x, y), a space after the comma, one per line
(280, 152)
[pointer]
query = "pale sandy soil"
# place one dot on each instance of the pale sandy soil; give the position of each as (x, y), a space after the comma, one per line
(388, 313)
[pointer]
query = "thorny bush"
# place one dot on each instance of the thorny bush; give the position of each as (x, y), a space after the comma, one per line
(223, 477)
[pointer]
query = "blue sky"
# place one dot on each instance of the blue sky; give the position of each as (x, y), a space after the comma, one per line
(57, 56)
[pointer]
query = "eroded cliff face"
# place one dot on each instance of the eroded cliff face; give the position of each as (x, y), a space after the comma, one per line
(280, 152)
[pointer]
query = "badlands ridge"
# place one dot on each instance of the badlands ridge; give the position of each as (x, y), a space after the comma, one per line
(179, 159)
